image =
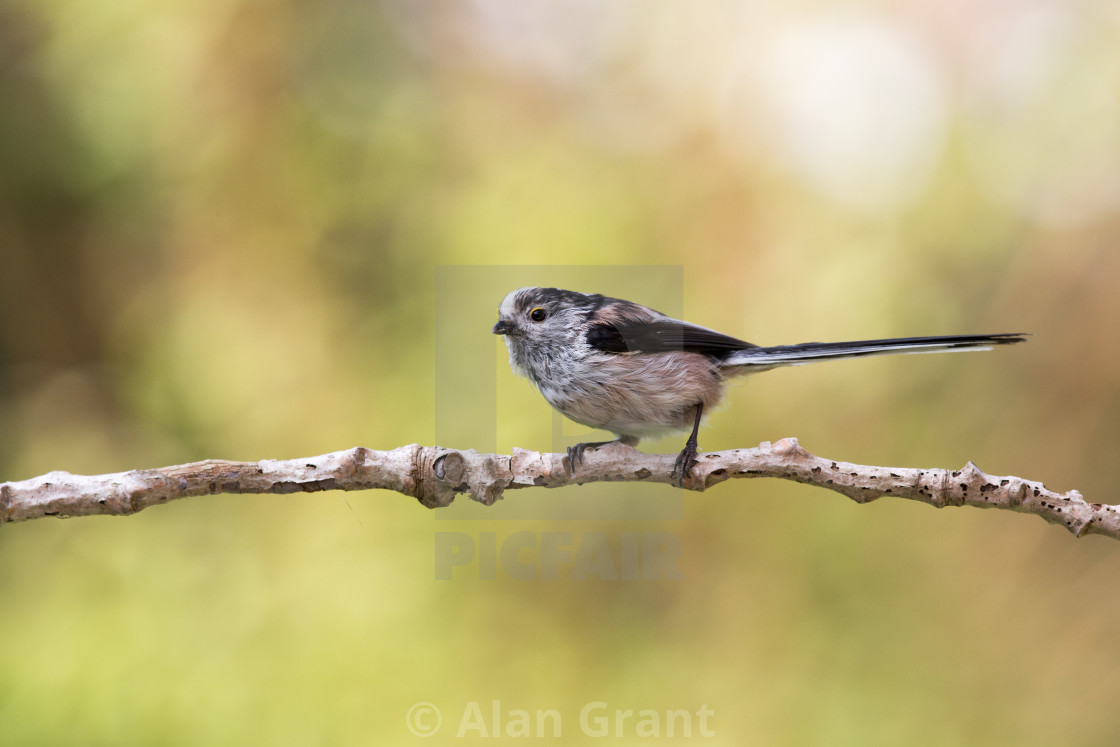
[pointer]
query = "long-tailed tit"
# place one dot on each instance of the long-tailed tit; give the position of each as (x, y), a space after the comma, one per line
(625, 368)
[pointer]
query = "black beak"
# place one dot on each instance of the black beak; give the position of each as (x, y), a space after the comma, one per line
(504, 328)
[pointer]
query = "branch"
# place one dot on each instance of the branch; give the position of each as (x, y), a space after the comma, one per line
(435, 475)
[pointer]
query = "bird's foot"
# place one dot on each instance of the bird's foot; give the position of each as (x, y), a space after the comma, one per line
(575, 453)
(686, 460)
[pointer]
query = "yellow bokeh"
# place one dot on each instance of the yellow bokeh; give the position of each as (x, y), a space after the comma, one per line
(247, 230)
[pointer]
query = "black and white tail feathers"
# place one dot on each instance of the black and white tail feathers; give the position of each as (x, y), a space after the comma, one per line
(623, 327)
(810, 352)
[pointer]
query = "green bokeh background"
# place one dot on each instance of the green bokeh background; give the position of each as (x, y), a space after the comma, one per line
(221, 230)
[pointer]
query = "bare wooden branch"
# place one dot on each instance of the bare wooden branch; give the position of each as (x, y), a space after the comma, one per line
(436, 475)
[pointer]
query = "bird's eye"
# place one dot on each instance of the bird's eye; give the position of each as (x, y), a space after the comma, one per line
(538, 314)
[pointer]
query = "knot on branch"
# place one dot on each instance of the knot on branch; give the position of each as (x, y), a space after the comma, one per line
(435, 474)
(440, 474)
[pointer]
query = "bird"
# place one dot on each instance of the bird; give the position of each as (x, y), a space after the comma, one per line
(619, 366)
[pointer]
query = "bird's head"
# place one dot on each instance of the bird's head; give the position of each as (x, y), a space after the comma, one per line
(543, 319)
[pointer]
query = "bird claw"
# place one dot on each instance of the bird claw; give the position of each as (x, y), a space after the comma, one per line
(575, 453)
(686, 460)
(575, 456)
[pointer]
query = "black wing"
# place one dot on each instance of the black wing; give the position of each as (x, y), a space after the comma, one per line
(662, 335)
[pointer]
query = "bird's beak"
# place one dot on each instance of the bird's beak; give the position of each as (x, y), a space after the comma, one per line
(504, 327)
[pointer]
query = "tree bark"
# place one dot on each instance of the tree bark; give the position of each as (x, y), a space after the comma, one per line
(434, 476)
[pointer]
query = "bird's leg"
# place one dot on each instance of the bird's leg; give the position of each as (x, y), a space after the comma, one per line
(575, 453)
(686, 460)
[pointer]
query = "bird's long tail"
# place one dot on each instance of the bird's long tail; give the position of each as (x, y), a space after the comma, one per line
(761, 359)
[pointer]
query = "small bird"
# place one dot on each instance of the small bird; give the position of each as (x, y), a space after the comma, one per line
(625, 368)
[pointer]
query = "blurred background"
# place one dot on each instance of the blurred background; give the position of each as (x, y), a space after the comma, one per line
(235, 229)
